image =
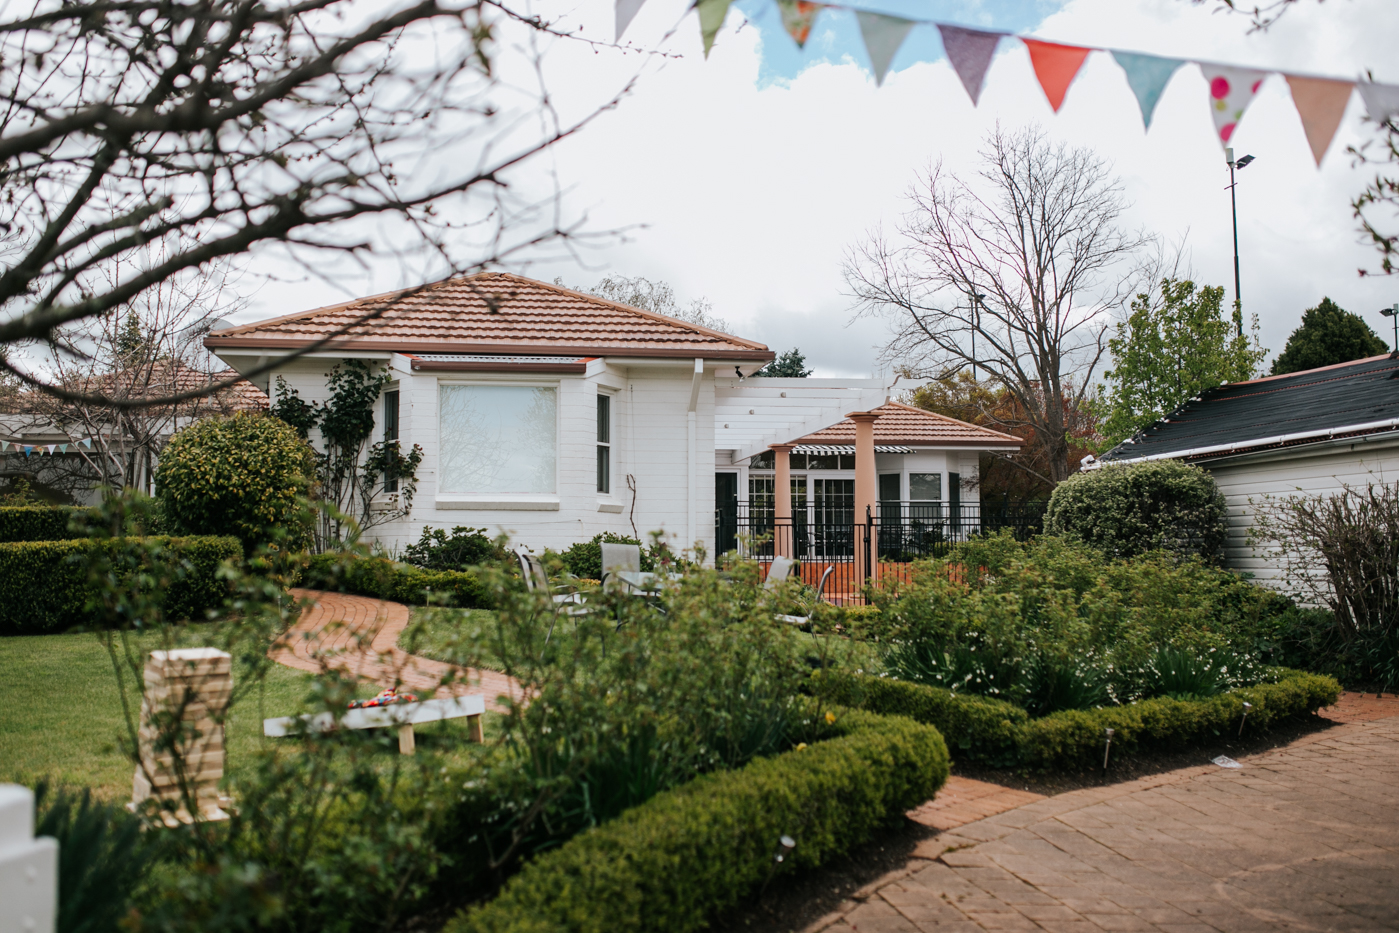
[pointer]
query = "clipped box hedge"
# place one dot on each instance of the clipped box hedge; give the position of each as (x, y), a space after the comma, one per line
(400, 583)
(1001, 734)
(980, 729)
(44, 585)
(39, 522)
(675, 861)
(1074, 738)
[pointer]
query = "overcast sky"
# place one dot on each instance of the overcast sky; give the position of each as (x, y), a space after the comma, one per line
(745, 178)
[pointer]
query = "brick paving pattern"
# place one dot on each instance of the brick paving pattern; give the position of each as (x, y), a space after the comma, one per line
(1362, 707)
(359, 635)
(963, 800)
(1301, 838)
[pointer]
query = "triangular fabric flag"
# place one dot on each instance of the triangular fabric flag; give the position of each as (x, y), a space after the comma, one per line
(1381, 100)
(883, 35)
(51, 448)
(1147, 76)
(969, 52)
(1231, 91)
(1320, 102)
(28, 450)
(626, 11)
(711, 17)
(63, 448)
(798, 17)
(87, 442)
(1055, 65)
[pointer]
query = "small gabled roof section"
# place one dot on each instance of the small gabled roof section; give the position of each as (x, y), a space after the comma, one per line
(903, 425)
(1347, 399)
(492, 313)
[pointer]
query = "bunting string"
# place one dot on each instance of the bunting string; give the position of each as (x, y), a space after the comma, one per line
(1320, 100)
(45, 449)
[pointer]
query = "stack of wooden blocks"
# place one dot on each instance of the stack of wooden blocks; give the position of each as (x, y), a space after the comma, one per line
(182, 714)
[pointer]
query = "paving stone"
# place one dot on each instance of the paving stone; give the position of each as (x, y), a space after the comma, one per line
(1301, 838)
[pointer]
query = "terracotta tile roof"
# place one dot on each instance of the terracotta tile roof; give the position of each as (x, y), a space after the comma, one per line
(900, 424)
(493, 313)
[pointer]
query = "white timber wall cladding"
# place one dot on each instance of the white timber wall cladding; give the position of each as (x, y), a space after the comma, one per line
(1246, 483)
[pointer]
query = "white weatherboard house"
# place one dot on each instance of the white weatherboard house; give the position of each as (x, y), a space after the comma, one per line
(1307, 433)
(553, 415)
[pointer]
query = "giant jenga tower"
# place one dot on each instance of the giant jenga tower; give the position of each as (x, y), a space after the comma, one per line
(186, 695)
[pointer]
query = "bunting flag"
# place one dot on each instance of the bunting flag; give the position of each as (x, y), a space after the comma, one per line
(1381, 100)
(1320, 102)
(883, 35)
(1231, 91)
(1056, 66)
(711, 17)
(970, 51)
(626, 12)
(1147, 76)
(797, 18)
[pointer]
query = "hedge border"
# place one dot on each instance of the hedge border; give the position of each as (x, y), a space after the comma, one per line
(40, 522)
(1000, 734)
(682, 857)
(44, 585)
(382, 578)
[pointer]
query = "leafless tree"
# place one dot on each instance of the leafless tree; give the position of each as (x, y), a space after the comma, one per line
(657, 297)
(301, 130)
(1014, 273)
(149, 349)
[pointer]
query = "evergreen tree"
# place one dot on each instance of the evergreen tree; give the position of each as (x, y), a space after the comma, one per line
(1168, 351)
(1328, 335)
(789, 365)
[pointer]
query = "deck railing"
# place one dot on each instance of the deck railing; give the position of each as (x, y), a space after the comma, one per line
(883, 542)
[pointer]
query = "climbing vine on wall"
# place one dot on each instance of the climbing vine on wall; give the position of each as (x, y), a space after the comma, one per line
(351, 472)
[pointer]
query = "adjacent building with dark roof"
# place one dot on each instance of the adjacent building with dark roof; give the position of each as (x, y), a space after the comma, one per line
(1312, 432)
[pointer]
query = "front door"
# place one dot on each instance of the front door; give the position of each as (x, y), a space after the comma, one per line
(833, 517)
(726, 511)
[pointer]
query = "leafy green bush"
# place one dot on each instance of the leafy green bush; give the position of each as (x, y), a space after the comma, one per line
(42, 523)
(999, 734)
(1126, 510)
(243, 476)
(675, 861)
(462, 549)
(400, 583)
(102, 856)
(47, 586)
(1045, 624)
(584, 559)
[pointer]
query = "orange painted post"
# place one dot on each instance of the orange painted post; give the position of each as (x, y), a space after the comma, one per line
(866, 495)
(782, 506)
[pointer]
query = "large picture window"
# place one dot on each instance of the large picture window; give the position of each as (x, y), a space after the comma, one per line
(498, 439)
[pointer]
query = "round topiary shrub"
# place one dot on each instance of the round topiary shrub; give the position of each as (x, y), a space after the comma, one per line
(1131, 508)
(240, 476)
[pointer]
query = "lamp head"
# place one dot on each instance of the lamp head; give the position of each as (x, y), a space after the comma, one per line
(1242, 163)
(1390, 312)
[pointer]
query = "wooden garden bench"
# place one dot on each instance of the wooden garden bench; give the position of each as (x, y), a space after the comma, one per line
(404, 716)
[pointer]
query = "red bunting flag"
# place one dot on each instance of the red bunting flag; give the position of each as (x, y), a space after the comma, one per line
(1055, 66)
(798, 17)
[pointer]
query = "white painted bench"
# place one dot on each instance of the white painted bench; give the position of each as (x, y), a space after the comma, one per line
(404, 716)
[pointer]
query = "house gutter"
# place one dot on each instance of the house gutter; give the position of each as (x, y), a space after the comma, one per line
(1227, 449)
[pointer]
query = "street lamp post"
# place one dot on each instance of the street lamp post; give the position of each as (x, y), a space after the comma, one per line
(976, 322)
(1234, 209)
(1393, 315)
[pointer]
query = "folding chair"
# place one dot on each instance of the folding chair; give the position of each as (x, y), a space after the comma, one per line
(805, 620)
(566, 600)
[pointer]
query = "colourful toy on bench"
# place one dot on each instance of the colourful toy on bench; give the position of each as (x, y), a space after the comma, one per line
(385, 697)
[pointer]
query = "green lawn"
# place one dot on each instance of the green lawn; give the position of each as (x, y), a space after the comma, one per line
(61, 716)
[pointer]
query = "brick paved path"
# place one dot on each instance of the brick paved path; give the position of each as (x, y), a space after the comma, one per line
(1302, 838)
(360, 635)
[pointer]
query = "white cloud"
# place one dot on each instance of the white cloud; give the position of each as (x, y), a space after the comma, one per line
(751, 196)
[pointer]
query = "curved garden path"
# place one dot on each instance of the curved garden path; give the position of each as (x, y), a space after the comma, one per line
(359, 635)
